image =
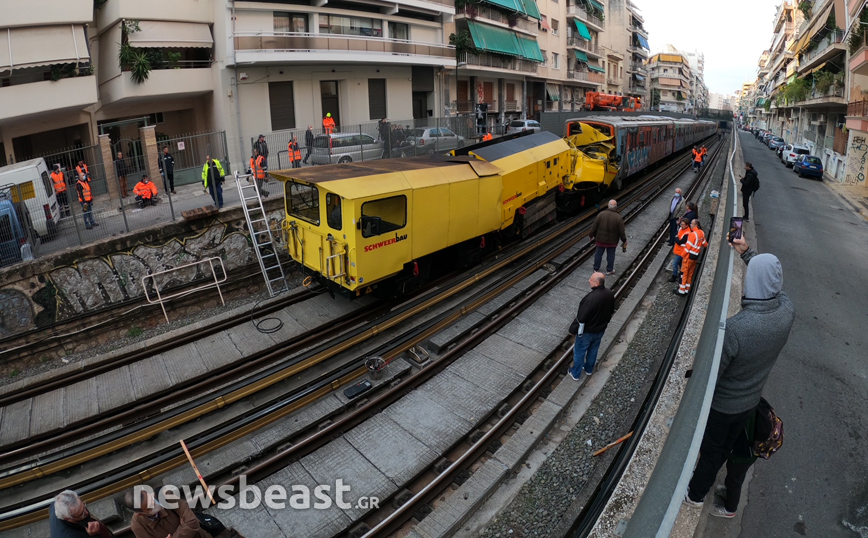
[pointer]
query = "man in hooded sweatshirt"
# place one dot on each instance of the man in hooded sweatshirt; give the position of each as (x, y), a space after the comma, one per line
(753, 340)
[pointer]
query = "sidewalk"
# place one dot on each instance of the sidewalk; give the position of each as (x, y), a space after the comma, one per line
(855, 195)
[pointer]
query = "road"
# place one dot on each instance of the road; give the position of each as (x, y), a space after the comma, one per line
(817, 484)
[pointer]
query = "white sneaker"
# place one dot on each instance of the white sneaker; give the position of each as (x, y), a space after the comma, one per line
(587, 373)
(573, 376)
(691, 503)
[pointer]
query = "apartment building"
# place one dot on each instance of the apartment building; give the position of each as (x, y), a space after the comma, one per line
(670, 80)
(698, 89)
(856, 167)
(79, 69)
(626, 44)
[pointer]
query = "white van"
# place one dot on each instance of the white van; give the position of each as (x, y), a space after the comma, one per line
(35, 187)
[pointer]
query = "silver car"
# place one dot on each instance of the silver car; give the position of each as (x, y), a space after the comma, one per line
(345, 148)
(517, 126)
(434, 140)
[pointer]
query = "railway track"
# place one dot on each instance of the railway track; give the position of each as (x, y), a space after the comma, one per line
(347, 371)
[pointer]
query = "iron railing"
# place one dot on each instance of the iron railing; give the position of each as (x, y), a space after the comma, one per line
(511, 20)
(857, 108)
(587, 76)
(834, 37)
(498, 62)
(575, 11)
(587, 46)
(310, 42)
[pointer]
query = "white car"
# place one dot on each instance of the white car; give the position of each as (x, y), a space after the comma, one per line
(517, 126)
(792, 152)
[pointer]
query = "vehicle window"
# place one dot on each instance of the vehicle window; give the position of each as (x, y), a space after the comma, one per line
(46, 183)
(321, 142)
(333, 209)
(812, 160)
(367, 139)
(533, 124)
(384, 216)
(800, 151)
(435, 133)
(446, 132)
(303, 201)
(418, 133)
(517, 124)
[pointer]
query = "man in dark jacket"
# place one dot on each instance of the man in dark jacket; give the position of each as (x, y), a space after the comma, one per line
(385, 131)
(608, 227)
(676, 208)
(595, 312)
(167, 169)
(122, 170)
(262, 146)
(68, 517)
(752, 342)
(308, 142)
(749, 185)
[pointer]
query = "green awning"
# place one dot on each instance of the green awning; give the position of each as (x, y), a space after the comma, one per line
(596, 4)
(531, 9)
(583, 30)
(581, 56)
(554, 94)
(530, 48)
(595, 68)
(492, 39)
(512, 5)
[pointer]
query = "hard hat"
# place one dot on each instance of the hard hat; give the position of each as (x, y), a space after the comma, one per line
(329, 115)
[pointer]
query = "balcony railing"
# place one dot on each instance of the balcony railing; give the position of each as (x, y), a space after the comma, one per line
(834, 37)
(858, 109)
(644, 32)
(587, 76)
(636, 89)
(308, 42)
(485, 12)
(638, 67)
(639, 51)
(498, 62)
(582, 44)
(576, 11)
(613, 81)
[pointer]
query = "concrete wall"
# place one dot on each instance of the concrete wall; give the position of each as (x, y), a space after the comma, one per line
(92, 279)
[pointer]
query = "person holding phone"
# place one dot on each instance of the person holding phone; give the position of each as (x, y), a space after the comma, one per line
(753, 339)
(595, 312)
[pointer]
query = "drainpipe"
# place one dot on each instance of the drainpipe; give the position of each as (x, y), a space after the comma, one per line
(235, 90)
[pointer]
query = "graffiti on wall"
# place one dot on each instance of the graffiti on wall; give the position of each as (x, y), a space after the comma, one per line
(856, 158)
(95, 283)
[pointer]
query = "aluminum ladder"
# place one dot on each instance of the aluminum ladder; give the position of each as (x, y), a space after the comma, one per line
(260, 233)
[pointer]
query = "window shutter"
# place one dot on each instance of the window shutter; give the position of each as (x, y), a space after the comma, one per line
(377, 98)
(282, 103)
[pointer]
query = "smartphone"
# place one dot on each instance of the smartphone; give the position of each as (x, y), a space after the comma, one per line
(735, 227)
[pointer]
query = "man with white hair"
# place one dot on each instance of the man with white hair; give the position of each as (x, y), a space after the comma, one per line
(608, 227)
(68, 517)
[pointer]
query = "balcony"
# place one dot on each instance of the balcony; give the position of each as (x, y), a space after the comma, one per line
(494, 61)
(113, 11)
(484, 12)
(637, 50)
(587, 46)
(634, 88)
(594, 22)
(301, 47)
(161, 83)
(641, 31)
(37, 98)
(638, 68)
(614, 81)
(829, 47)
(857, 115)
(587, 76)
(66, 12)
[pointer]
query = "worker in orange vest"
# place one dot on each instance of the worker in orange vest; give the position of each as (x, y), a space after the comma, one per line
(704, 152)
(678, 249)
(328, 124)
(697, 158)
(694, 244)
(82, 171)
(85, 197)
(487, 137)
(59, 180)
(257, 170)
(145, 192)
(294, 153)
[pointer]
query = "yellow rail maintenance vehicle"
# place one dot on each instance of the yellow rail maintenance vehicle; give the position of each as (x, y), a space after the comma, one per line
(390, 225)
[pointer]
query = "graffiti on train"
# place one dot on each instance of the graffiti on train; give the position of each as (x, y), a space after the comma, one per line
(637, 159)
(93, 283)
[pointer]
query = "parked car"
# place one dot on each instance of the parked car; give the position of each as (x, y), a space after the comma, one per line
(775, 142)
(517, 126)
(808, 165)
(434, 140)
(789, 155)
(764, 137)
(345, 148)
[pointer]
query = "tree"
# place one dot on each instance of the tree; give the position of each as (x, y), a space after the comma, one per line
(655, 97)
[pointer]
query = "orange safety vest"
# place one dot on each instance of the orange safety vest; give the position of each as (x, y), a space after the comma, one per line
(59, 182)
(257, 168)
(78, 171)
(678, 250)
(694, 243)
(487, 137)
(697, 155)
(145, 191)
(701, 237)
(294, 152)
(328, 124)
(85, 190)
(704, 151)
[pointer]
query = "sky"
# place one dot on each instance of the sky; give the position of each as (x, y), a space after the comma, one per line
(732, 34)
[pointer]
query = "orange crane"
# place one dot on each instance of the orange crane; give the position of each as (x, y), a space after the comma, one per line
(606, 101)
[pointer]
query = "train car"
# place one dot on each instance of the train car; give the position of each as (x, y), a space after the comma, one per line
(389, 225)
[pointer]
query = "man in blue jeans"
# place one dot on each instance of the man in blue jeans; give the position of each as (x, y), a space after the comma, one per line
(607, 229)
(595, 312)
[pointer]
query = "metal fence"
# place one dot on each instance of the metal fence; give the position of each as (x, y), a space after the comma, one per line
(191, 151)
(18, 238)
(363, 142)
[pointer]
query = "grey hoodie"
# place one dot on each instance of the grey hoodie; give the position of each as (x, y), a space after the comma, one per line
(754, 337)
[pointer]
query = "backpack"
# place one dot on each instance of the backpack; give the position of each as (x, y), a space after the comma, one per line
(768, 433)
(755, 183)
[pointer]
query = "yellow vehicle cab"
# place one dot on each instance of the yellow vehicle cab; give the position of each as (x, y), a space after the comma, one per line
(358, 225)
